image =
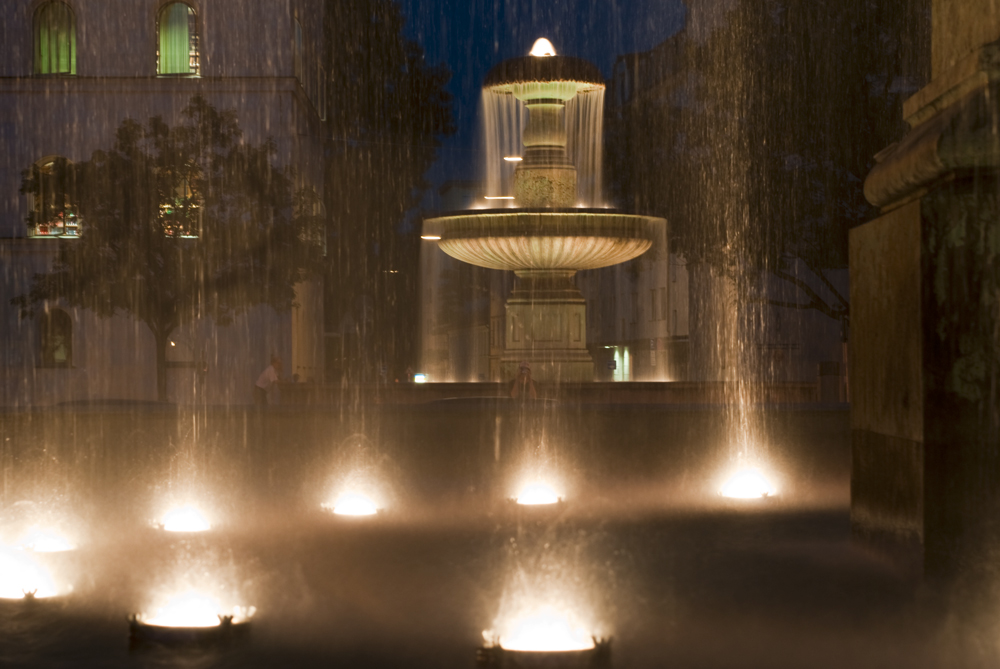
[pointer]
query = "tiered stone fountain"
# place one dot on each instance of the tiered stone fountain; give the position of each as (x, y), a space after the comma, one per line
(544, 238)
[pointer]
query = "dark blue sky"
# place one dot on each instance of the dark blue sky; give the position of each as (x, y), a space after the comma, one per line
(473, 35)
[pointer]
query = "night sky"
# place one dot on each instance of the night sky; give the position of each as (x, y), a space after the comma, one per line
(473, 35)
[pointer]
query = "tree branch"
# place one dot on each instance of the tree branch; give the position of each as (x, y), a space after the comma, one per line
(829, 284)
(790, 305)
(818, 302)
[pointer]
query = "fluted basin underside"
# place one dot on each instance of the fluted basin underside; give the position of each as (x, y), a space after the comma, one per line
(567, 239)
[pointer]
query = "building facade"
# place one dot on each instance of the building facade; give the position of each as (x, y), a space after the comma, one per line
(70, 72)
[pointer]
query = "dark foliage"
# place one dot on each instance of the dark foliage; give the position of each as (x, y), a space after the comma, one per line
(389, 110)
(180, 223)
(756, 141)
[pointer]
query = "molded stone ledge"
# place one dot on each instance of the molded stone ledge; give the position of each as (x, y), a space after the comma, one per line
(959, 138)
(973, 72)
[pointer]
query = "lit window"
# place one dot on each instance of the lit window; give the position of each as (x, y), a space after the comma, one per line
(177, 40)
(55, 39)
(181, 217)
(53, 212)
(55, 330)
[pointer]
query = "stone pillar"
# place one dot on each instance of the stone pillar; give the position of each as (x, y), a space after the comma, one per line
(547, 327)
(925, 314)
(546, 177)
(307, 331)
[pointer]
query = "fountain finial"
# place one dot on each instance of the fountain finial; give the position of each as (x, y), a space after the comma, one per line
(542, 48)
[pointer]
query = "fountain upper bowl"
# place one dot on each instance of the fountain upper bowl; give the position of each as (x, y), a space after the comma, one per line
(544, 239)
(549, 75)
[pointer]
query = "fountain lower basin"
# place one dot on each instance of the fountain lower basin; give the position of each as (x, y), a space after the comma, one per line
(544, 239)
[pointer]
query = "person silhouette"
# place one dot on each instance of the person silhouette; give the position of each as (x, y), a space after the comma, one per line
(266, 381)
(523, 387)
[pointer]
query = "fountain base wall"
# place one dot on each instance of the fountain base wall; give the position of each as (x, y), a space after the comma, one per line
(547, 328)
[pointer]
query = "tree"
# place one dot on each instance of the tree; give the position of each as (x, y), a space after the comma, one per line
(180, 223)
(388, 112)
(759, 153)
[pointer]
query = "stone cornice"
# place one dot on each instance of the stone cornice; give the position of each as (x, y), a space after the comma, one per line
(974, 72)
(955, 128)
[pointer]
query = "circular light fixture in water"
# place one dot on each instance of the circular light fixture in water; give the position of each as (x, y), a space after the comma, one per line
(749, 484)
(190, 617)
(21, 577)
(189, 609)
(535, 494)
(546, 629)
(41, 540)
(352, 504)
(542, 48)
(185, 519)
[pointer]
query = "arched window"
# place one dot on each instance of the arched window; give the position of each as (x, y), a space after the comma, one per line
(53, 210)
(55, 39)
(55, 339)
(177, 40)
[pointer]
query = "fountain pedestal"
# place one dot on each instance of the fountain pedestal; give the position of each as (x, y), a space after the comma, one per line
(925, 315)
(547, 327)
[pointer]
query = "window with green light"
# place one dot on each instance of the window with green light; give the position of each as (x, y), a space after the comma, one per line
(55, 39)
(177, 40)
(53, 211)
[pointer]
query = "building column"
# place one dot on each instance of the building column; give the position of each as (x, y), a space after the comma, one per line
(925, 314)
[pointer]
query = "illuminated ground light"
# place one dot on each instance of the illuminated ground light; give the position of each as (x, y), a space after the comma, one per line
(536, 494)
(544, 637)
(44, 540)
(352, 504)
(748, 484)
(430, 237)
(186, 518)
(420, 378)
(546, 629)
(21, 577)
(190, 616)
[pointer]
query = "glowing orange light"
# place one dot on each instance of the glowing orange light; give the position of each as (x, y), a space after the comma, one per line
(352, 504)
(189, 609)
(21, 576)
(186, 518)
(542, 48)
(748, 484)
(44, 540)
(537, 493)
(546, 629)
